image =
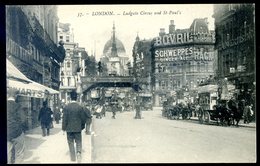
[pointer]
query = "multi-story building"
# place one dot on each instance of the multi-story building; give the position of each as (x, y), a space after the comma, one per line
(235, 44)
(142, 64)
(114, 56)
(182, 58)
(74, 65)
(31, 45)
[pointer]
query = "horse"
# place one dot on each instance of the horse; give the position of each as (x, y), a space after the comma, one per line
(236, 112)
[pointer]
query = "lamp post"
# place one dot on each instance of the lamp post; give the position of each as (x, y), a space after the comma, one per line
(78, 87)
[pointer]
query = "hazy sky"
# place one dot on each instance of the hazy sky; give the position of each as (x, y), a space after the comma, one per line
(90, 29)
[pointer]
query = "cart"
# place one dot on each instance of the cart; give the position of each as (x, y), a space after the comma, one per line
(210, 104)
(207, 100)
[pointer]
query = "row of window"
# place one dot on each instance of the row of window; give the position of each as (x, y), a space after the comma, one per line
(233, 60)
(68, 81)
(16, 50)
(231, 30)
(208, 67)
(29, 55)
(175, 84)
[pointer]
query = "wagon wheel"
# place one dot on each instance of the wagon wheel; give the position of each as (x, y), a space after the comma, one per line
(206, 117)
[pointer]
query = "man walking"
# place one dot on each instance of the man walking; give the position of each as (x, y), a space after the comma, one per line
(138, 113)
(45, 118)
(74, 119)
(88, 120)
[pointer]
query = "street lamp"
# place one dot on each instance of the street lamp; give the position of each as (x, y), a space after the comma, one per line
(78, 86)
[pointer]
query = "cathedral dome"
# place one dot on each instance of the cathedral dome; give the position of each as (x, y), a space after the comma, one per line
(119, 46)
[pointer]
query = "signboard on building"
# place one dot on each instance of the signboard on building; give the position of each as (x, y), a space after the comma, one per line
(184, 54)
(182, 38)
(241, 68)
(232, 70)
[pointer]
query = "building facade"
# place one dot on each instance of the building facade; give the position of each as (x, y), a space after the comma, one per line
(31, 45)
(235, 44)
(74, 64)
(181, 59)
(142, 64)
(114, 56)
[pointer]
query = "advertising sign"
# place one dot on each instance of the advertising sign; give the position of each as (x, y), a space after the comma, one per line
(184, 54)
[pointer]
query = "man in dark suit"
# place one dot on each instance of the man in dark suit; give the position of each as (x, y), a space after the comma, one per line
(74, 119)
(45, 118)
(88, 120)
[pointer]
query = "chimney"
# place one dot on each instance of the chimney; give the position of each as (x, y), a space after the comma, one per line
(171, 26)
(162, 32)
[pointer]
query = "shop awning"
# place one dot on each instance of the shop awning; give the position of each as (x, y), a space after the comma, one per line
(26, 87)
(32, 89)
(14, 73)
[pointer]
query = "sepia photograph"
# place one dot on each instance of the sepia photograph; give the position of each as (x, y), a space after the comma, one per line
(136, 83)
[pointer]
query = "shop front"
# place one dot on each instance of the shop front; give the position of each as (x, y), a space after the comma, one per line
(30, 96)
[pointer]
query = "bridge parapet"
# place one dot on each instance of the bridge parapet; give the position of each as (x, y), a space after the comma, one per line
(107, 79)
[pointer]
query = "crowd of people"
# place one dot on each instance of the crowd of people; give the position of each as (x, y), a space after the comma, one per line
(114, 105)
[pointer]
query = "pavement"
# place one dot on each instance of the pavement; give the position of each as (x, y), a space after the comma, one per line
(53, 148)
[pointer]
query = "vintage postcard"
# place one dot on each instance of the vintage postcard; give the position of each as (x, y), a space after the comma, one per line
(146, 83)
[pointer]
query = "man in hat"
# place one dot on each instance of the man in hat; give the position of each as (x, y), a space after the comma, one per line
(74, 119)
(45, 118)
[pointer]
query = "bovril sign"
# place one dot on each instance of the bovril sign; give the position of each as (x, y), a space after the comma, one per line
(169, 39)
(182, 38)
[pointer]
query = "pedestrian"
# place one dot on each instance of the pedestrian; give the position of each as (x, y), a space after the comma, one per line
(88, 120)
(57, 115)
(15, 135)
(73, 122)
(114, 106)
(45, 117)
(138, 108)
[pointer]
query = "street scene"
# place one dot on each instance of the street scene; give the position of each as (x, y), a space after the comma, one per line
(156, 140)
(131, 83)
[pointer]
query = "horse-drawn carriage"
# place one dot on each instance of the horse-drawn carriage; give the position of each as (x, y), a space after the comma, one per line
(206, 111)
(175, 111)
(213, 109)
